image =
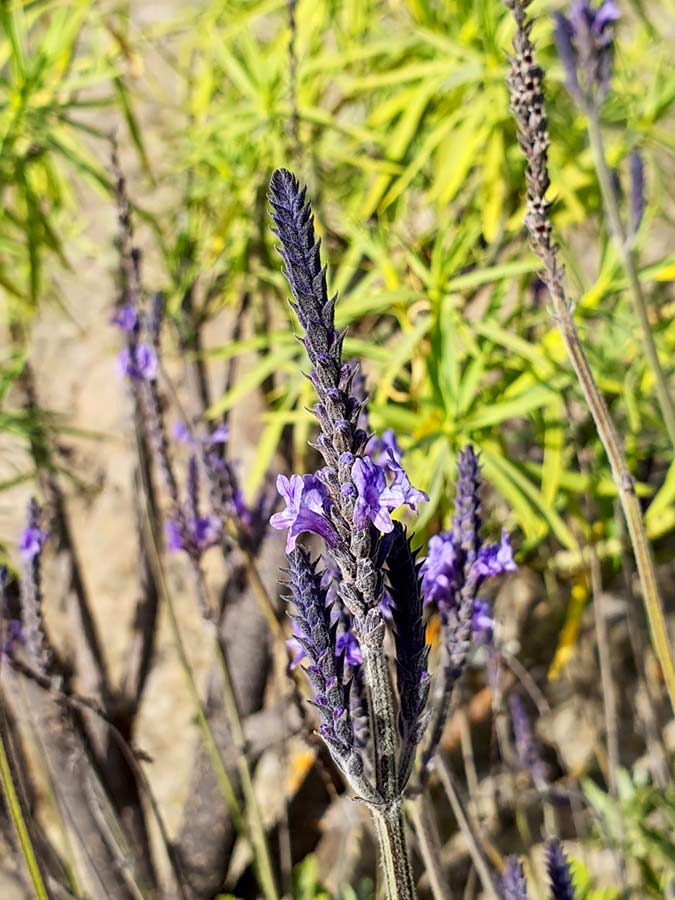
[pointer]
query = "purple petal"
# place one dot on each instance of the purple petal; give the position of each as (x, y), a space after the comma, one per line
(31, 542)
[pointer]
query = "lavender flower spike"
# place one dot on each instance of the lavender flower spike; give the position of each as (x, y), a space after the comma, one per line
(316, 635)
(412, 652)
(31, 542)
(306, 508)
(514, 886)
(559, 872)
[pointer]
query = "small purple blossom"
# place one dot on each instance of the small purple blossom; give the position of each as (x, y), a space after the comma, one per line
(439, 570)
(138, 363)
(375, 498)
(494, 559)
(307, 505)
(379, 449)
(126, 319)
(31, 542)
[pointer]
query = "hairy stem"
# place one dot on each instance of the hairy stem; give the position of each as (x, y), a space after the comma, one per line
(391, 834)
(617, 231)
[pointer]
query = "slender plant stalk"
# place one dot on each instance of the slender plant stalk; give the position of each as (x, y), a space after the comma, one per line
(398, 871)
(528, 105)
(462, 820)
(16, 814)
(627, 255)
(422, 818)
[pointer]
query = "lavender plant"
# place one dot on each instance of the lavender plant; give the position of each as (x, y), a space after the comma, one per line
(348, 504)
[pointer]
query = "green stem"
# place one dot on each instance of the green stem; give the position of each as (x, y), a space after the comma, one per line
(16, 813)
(397, 869)
(611, 205)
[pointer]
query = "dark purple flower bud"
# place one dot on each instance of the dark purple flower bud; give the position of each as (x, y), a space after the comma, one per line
(126, 319)
(307, 504)
(412, 652)
(514, 886)
(559, 872)
(637, 191)
(138, 362)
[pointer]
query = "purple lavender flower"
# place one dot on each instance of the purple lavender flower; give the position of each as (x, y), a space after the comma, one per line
(316, 635)
(126, 319)
(375, 499)
(138, 362)
(307, 505)
(203, 532)
(559, 872)
(585, 44)
(31, 542)
(379, 449)
(514, 886)
(494, 559)
(457, 558)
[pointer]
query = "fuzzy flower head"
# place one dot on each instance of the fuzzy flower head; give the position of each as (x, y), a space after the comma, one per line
(198, 534)
(585, 41)
(139, 363)
(307, 506)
